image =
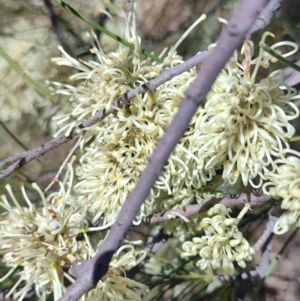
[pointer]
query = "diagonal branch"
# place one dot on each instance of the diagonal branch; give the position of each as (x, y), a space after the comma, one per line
(229, 202)
(265, 16)
(264, 243)
(267, 235)
(26, 157)
(56, 27)
(88, 273)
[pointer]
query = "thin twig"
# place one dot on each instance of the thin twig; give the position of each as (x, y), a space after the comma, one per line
(56, 27)
(105, 30)
(265, 16)
(12, 135)
(12, 159)
(89, 272)
(17, 140)
(265, 259)
(26, 157)
(64, 163)
(267, 234)
(189, 210)
(264, 243)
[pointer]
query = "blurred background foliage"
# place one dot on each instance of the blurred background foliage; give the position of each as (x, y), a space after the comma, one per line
(30, 32)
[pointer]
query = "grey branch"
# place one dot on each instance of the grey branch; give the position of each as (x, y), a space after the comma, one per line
(56, 28)
(264, 239)
(265, 259)
(229, 202)
(265, 16)
(26, 157)
(264, 243)
(88, 273)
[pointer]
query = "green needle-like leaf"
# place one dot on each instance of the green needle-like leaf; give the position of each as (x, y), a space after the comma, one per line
(104, 30)
(44, 91)
(279, 57)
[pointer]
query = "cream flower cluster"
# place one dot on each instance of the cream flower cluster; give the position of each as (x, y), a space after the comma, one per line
(115, 285)
(103, 81)
(123, 141)
(44, 242)
(284, 185)
(242, 126)
(222, 245)
(244, 122)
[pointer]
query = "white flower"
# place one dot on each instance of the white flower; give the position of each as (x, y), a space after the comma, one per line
(43, 241)
(123, 141)
(284, 184)
(244, 122)
(115, 285)
(222, 245)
